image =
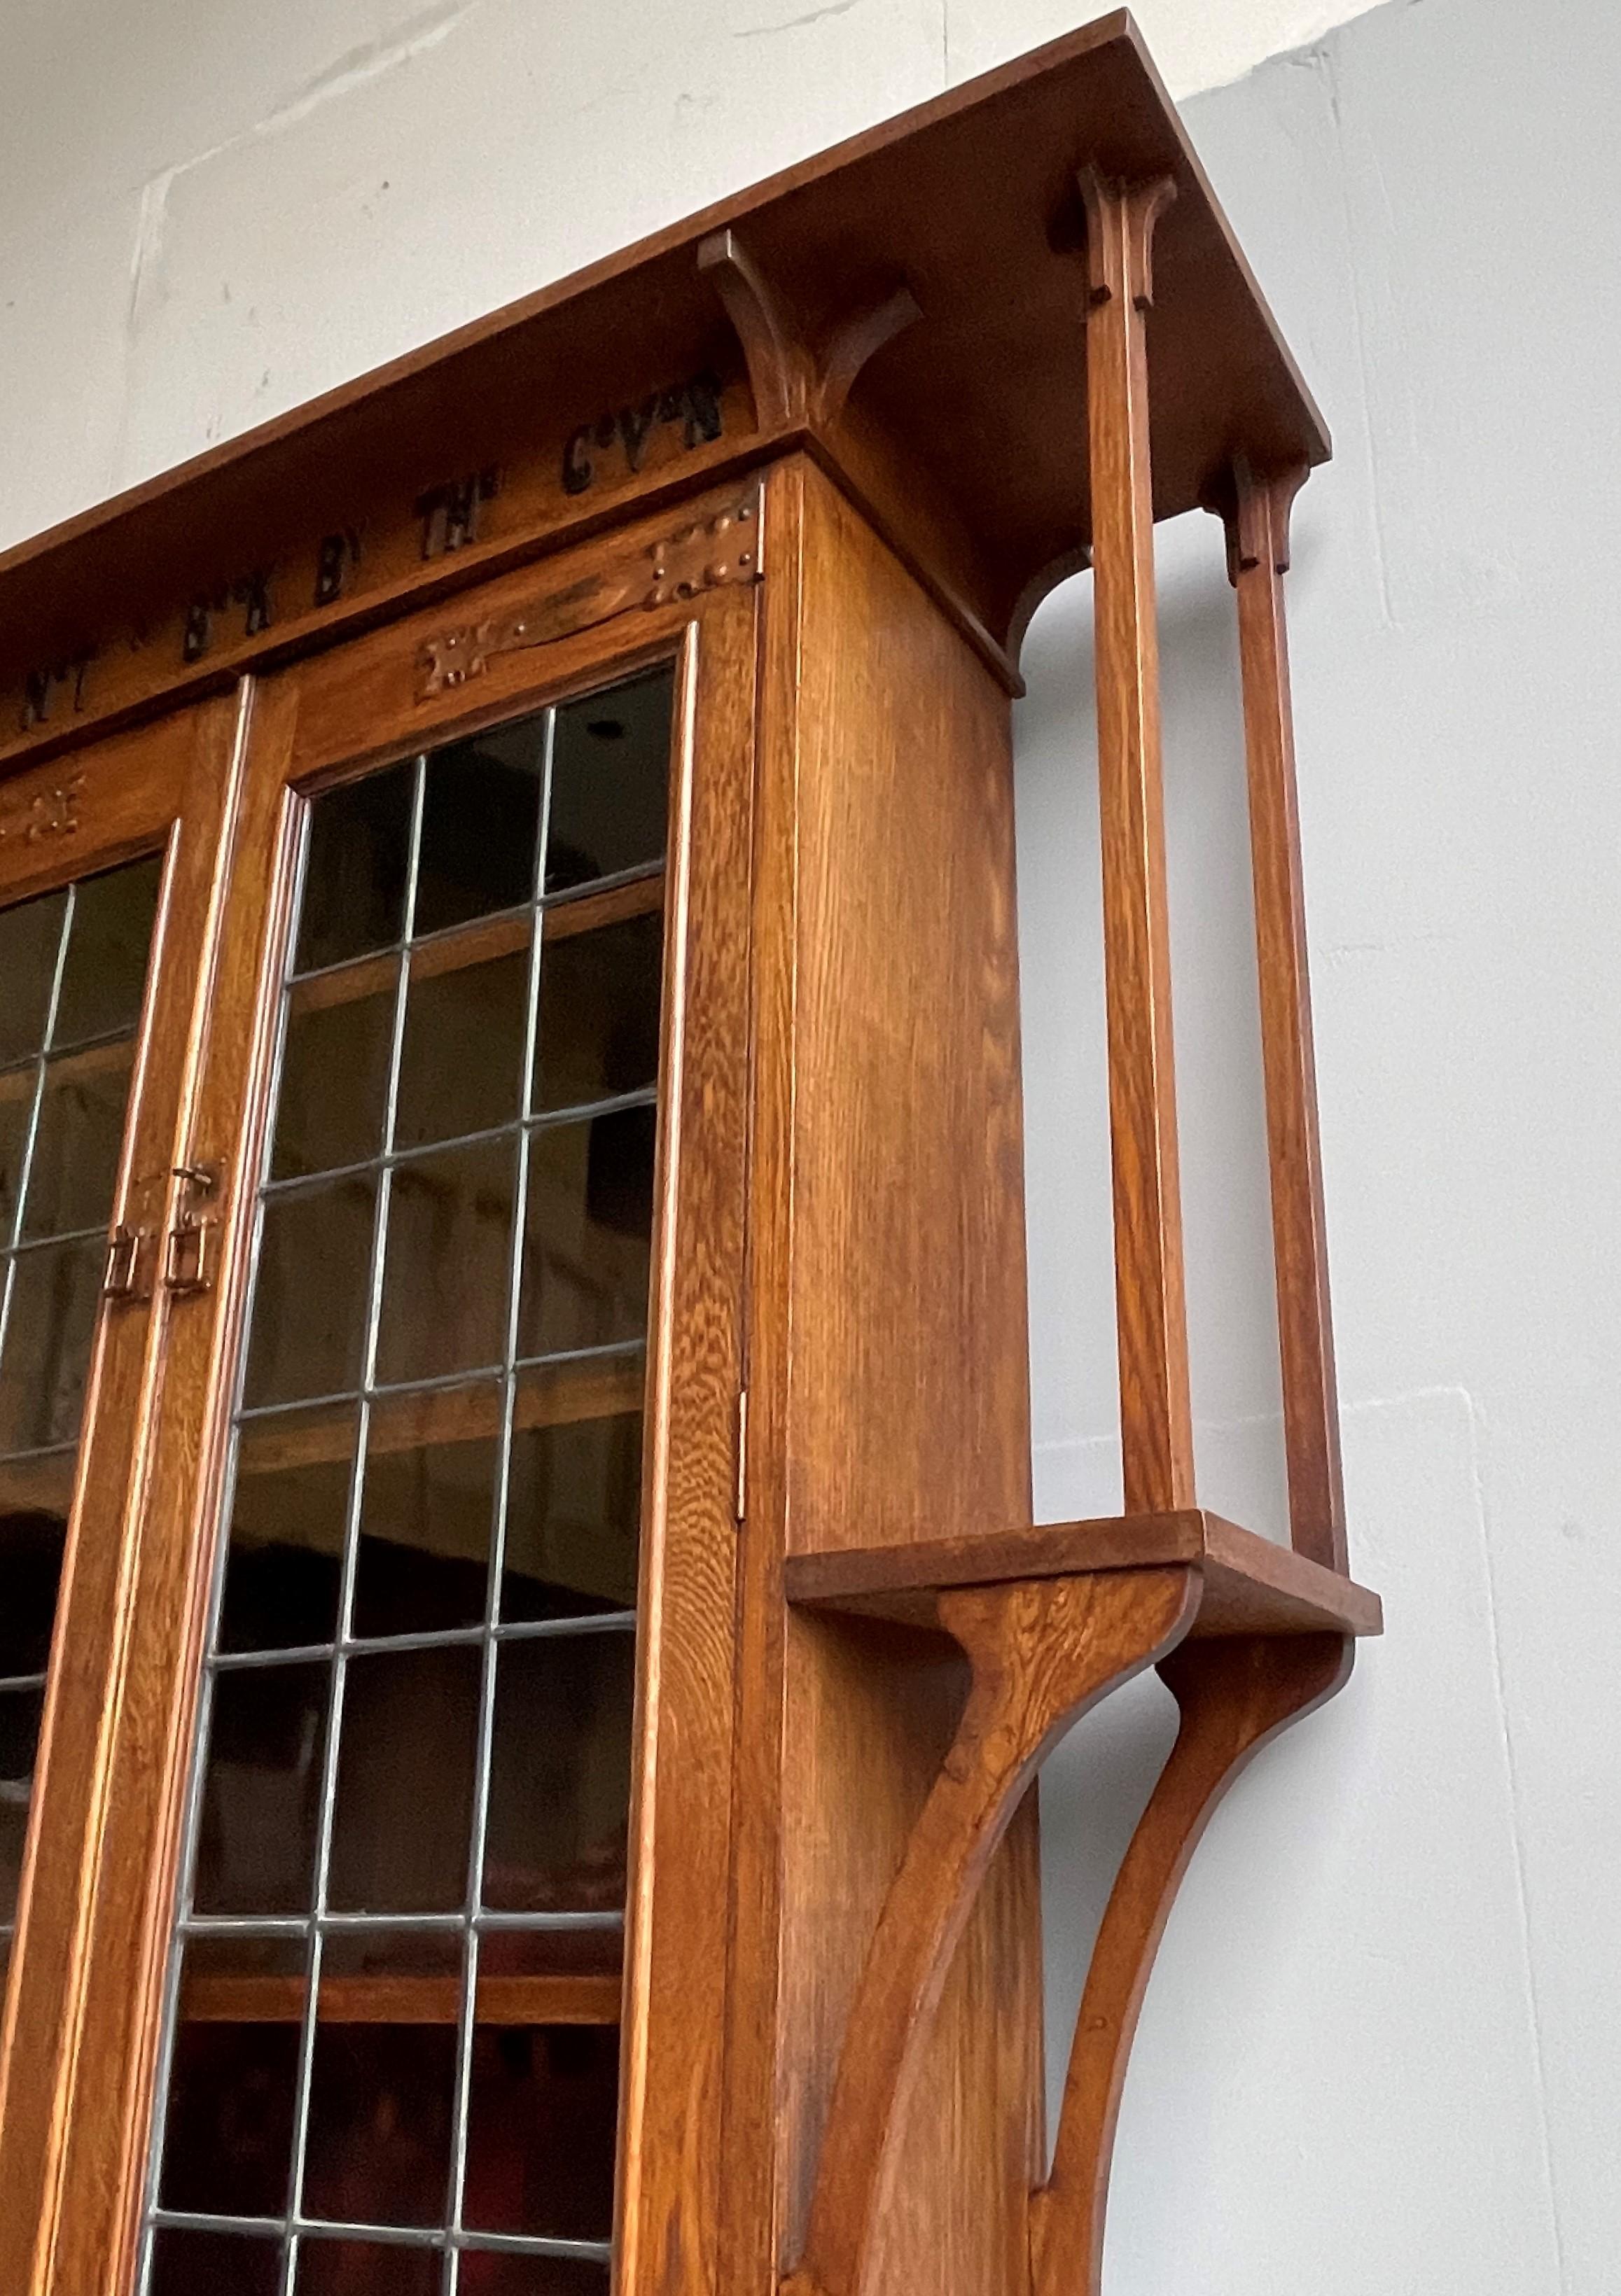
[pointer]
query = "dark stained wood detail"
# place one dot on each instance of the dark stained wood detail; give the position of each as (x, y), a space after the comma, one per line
(1040, 1652)
(1156, 1416)
(705, 554)
(1233, 1695)
(1248, 1585)
(1256, 514)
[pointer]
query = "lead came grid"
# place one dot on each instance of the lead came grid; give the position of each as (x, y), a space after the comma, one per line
(591, 912)
(72, 974)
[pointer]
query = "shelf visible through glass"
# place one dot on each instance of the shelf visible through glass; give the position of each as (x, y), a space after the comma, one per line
(391, 2042)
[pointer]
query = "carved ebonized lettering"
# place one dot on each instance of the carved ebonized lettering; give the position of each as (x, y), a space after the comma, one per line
(251, 592)
(335, 560)
(449, 513)
(624, 434)
(43, 686)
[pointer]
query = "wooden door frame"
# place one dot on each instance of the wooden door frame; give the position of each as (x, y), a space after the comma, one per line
(334, 717)
(167, 789)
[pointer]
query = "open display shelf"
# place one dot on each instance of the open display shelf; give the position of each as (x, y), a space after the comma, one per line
(525, 1642)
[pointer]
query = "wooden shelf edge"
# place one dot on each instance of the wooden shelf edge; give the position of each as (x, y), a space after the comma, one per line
(1250, 1585)
(565, 1999)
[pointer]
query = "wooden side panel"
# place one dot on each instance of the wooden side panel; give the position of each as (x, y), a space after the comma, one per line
(888, 1367)
(909, 1402)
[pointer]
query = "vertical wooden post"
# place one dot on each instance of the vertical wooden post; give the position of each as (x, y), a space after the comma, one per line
(1257, 519)
(1156, 1420)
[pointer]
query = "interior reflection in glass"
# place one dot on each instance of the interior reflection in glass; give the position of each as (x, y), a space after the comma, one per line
(410, 1819)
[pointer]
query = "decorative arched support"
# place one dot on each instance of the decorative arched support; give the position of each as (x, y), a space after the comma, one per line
(796, 380)
(1042, 1651)
(1234, 1696)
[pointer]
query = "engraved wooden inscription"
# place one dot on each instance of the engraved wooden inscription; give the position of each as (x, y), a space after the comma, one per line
(621, 435)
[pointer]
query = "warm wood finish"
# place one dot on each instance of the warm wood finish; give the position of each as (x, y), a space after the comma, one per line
(564, 2000)
(885, 1012)
(963, 202)
(1233, 1697)
(1151, 1315)
(1258, 557)
(1248, 1585)
(1041, 1652)
(167, 789)
(546, 1397)
(817, 452)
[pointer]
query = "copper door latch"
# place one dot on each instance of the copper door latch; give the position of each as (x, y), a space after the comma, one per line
(123, 1277)
(191, 1257)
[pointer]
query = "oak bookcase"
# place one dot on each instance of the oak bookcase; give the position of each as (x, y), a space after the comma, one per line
(522, 1640)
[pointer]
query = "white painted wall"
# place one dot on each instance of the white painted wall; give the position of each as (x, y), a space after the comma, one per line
(1383, 2051)
(211, 213)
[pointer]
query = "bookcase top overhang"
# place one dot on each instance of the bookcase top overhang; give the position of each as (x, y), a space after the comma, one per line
(969, 203)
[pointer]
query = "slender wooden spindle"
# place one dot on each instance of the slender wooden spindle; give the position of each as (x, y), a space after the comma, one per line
(1257, 513)
(1155, 1422)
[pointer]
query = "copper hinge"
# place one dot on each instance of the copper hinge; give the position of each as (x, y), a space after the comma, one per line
(741, 1496)
(706, 553)
(126, 1274)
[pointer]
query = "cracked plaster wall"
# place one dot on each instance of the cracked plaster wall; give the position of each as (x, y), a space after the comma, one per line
(1381, 2052)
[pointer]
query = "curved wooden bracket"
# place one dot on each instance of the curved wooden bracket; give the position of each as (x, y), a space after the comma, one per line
(1254, 512)
(1234, 1696)
(1041, 1652)
(795, 381)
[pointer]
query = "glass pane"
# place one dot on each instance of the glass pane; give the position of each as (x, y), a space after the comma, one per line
(573, 1511)
(365, 2268)
(432, 1462)
(449, 1250)
(481, 824)
(405, 1782)
(309, 1297)
(261, 1791)
(587, 1224)
(31, 941)
(104, 977)
(55, 1292)
(20, 1713)
(334, 1070)
(540, 2130)
(355, 868)
(609, 777)
(31, 1565)
(560, 1776)
(81, 1131)
(16, 1110)
(232, 2089)
(381, 2101)
(204, 2263)
(530, 2276)
(599, 1013)
(287, 1520)
(461, 1069)
(391, 1976)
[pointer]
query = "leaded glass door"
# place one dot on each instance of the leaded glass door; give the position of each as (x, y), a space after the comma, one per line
(448, 1930)
(106, 865)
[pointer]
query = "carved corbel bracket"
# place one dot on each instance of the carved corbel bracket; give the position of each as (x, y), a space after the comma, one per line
(1234, 1696)
(1254, 512)
(1119, 221)
(795, 381)
(1040, 1652)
